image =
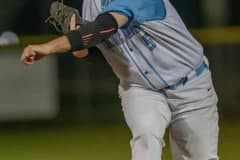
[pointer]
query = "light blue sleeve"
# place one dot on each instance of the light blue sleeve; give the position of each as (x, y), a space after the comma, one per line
(138, 10)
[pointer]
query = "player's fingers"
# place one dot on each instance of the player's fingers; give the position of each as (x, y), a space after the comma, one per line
(24, 53)
(24, 57)
(27, 60)
(28, 55)
(73, 22)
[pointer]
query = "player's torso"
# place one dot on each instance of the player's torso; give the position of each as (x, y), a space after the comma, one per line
(154, 54)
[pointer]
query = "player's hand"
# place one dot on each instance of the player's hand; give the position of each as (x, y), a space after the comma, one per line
(74, 26)
(33, 53)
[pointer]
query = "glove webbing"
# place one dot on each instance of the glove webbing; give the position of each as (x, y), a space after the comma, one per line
(52, 21)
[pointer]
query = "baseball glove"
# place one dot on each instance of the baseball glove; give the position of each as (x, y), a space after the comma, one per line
(60, 16)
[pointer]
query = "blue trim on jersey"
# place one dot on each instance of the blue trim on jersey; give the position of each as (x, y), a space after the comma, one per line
(150, 65)
(139, 69)
(137, 11)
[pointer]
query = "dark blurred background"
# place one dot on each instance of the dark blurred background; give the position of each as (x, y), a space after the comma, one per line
(68, 108)
(27, 17)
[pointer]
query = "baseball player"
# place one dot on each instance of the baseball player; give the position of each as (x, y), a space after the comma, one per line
(165, 81)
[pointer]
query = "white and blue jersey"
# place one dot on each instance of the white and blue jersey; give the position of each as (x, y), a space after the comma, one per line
(154, 49)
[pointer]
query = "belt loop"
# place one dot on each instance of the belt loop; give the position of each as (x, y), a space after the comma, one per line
(184, 80)
(200, 69)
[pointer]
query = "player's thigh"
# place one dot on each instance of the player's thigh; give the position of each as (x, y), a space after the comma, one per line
(194, 126)
(194, 135)
(145, 111)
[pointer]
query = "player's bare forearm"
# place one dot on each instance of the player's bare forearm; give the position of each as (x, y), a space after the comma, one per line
(62, 45)
(59, 45)
(34, 53)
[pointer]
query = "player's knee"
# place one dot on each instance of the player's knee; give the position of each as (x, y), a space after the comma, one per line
(216, 158)
(147, 140)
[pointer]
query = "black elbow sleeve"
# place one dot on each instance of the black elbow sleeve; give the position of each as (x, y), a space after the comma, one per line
(93, 33)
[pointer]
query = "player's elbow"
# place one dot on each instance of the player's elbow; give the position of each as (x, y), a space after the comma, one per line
(80, 54)
(121, 19)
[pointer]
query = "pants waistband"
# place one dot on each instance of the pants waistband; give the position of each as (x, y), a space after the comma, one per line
(197, 72)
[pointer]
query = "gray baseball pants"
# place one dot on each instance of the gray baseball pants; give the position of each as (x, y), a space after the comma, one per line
(190, 113)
